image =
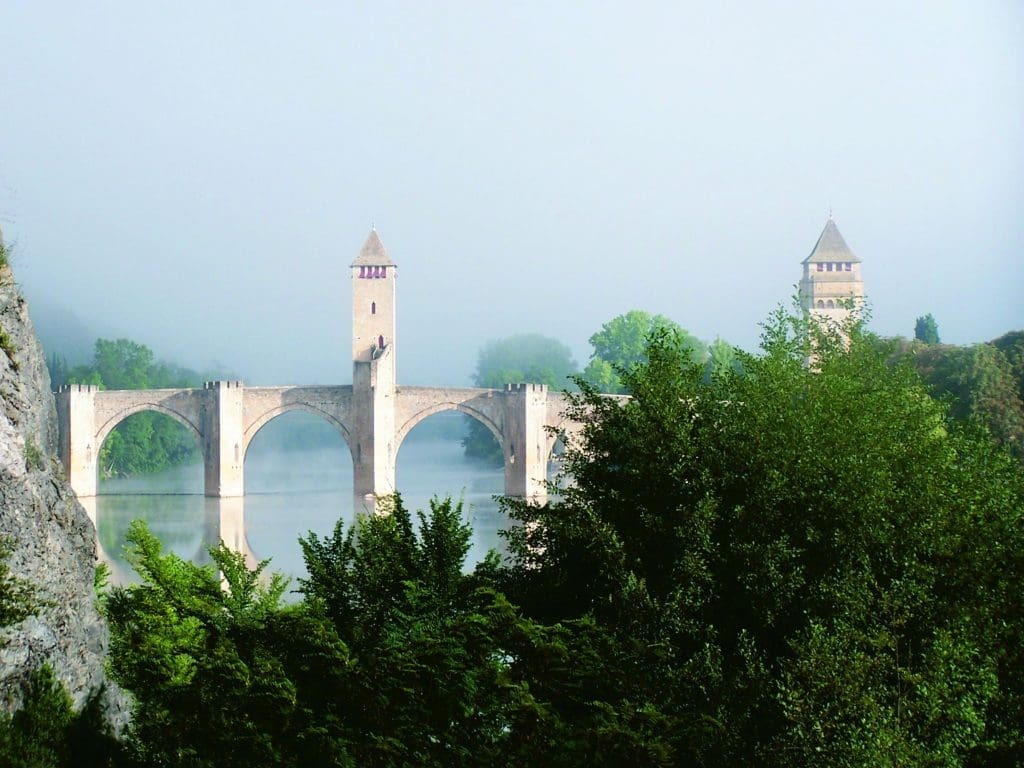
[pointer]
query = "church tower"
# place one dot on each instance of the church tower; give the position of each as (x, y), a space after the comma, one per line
(832, 286)
(373, 301)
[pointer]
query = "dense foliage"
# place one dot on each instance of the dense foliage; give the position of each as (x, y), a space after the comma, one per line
(757, 565)
(526, 358)
(794, 567)
(394, 657)
(621, 344)
(926, 329)
(983, 383)
(144, 442)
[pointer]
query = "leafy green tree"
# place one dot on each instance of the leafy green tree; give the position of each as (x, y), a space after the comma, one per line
(622, 344)
(982, 385)
(433, 674)
(47, 732)
(1011, 345)
(926, 329)
(721, 358)
(794, 567)
(395, 656)
(223, 674)
(526, 358)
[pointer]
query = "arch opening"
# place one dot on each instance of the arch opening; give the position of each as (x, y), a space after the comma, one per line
(150, 468)
(295, 448)
(149, 449)
(298, 478)
(431, 461)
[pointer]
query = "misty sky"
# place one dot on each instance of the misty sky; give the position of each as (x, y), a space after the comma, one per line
(199, 176)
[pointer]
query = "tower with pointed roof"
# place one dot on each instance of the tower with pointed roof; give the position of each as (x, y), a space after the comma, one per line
(373, 301)
(832, 286)
(373, 368)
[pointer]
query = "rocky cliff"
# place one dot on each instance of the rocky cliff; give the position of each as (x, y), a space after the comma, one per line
(54, 541)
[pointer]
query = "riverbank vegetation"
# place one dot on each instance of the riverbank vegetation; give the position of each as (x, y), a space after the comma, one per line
(762, 566)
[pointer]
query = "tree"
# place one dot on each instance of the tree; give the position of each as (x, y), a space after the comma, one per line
(395, 656)
(526, 358)
(926, 329)
(794, 566)
(622, 343)
(721, 358)
(433, 643)
(222, 673)
(983, 383)
(1011, 345)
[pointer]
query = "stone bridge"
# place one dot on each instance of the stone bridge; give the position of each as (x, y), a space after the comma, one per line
(225, 416)
(373, 414)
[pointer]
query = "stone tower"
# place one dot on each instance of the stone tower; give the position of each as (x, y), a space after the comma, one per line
(373, 301)
(373, 370)
(832, 286)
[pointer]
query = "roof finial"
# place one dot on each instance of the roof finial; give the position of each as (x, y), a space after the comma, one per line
(374, 228)
(830, 211)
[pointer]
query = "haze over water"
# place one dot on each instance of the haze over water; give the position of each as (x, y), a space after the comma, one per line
(291, 490)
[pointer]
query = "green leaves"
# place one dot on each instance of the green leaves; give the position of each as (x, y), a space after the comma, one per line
(622, 344)
(758, 563)
(804, 545)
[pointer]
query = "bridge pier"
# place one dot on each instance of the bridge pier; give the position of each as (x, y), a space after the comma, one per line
(79, 450)
(223, 438)
(375, 453)
(526, 441)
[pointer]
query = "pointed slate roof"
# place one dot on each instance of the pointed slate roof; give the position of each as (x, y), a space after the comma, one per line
(373, 253)
(830, 246)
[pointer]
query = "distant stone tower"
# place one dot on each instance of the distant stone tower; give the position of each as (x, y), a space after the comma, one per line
(373, 301)
(832, 285)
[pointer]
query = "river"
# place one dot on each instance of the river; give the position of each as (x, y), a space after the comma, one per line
(289, 492)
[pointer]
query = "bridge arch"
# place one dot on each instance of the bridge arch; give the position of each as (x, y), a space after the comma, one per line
(426, 413)
(265, 418)
(109, 425)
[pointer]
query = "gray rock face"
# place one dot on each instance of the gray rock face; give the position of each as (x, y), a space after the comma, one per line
(54, 541)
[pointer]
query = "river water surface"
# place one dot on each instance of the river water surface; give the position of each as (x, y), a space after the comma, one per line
(289, 491)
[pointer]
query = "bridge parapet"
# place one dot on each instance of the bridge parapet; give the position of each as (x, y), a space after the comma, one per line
(223, 385)
(78, 388)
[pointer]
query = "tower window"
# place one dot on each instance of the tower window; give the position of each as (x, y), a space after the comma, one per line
(380, 342)
(362, 271)
(821, 267)
(831, 304)
(373, 308)
(829, 267)
(383, 271)
(821, 304)
(849, 266)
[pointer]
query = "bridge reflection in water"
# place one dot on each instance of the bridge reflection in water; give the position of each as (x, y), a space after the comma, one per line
(187, 525)
(290, 494)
